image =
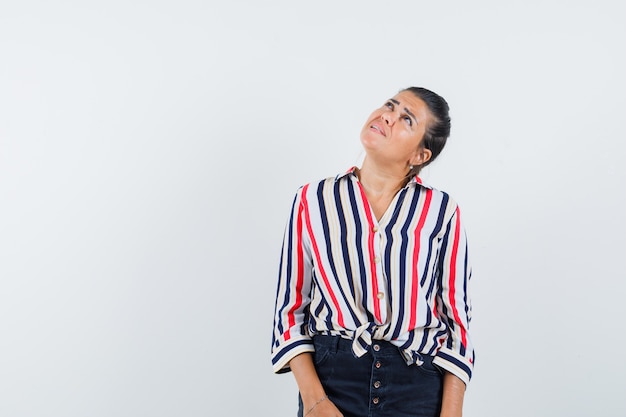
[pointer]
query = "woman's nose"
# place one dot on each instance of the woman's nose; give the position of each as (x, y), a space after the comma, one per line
(387, 118)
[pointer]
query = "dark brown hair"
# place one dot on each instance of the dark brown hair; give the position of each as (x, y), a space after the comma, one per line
(438, 130)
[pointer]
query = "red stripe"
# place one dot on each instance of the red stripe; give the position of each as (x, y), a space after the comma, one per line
(455, 248)
(415, 275)
(319, 259)
(300, 273)
(370, 247)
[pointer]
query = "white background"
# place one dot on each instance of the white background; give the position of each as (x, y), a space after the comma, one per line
(150, 150)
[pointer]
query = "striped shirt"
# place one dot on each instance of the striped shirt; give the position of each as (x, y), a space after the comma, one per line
(403, 279)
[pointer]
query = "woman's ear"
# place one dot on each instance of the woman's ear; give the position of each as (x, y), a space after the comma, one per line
(422, 156)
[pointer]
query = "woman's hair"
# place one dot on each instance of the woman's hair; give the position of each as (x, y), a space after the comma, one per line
(437, 132)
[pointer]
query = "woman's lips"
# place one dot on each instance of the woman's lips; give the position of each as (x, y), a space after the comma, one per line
(378, 128)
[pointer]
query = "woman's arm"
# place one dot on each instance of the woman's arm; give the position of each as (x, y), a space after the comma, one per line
(453, 393)
(290, 336)
(454, 306)
(314, 399)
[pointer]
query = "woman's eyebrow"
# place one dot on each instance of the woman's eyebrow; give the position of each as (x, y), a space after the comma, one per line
(397, 103)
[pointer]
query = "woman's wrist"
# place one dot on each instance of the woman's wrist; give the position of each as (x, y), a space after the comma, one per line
(453, 393)
(309, 385)
(324, 398)
(311, 397)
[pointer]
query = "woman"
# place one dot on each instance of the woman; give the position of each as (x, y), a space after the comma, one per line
(372, 307)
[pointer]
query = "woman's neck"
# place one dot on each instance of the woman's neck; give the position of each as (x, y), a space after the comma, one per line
(379, 181)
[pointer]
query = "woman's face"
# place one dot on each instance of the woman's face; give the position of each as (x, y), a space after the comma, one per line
(394, 132)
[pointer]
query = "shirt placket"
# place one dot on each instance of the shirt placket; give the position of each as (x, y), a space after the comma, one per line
(380, 295)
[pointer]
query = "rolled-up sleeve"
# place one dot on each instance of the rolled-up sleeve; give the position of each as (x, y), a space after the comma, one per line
(291, 316)
(456, 355)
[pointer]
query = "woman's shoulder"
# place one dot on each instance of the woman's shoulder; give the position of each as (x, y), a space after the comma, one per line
(326, 182)
(420, 183)
(438, 197)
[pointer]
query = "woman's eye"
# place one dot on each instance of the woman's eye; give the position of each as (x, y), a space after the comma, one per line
(408, 120)
(389, 105)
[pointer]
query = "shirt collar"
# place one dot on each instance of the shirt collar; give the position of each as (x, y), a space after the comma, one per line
(415, 180)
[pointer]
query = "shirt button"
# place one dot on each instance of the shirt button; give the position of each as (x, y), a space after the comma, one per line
(376, 347)
(375, 229)
(377, 384)
(378, 364)
(377, 259)
(375, 400)
(380, 295)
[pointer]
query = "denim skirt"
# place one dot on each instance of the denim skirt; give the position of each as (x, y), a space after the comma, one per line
(378, 384)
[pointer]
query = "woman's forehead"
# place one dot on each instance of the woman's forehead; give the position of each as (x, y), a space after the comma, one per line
(412, 102)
